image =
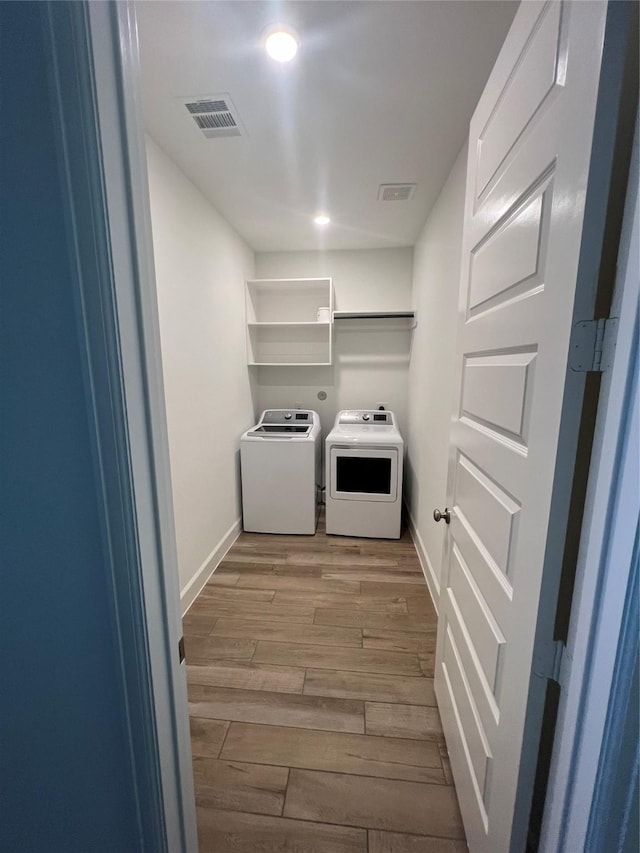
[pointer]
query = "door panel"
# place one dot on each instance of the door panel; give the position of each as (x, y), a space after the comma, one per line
(529, 154)
(473, 738)
(507, 260)
(494, 392)
(490, 512)
(475, 612)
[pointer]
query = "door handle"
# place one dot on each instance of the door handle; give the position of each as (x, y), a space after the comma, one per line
(439, 516)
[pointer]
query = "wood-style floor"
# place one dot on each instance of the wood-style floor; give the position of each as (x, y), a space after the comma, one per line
(313, 718)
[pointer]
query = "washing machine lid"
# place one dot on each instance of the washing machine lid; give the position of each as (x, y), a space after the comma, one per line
(290, 424)
(275, 430)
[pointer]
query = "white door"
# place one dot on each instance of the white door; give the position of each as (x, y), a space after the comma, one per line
(515, 426)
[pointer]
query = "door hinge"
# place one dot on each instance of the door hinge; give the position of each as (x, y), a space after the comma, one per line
(593, 344)
(181, 649)
(549, 662)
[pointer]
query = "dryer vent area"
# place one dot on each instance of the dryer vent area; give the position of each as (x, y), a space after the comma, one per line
(313, 717)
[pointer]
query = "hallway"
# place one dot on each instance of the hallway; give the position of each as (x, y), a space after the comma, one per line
(313, 718)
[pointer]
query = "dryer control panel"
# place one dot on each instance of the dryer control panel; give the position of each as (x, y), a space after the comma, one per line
(366, 416)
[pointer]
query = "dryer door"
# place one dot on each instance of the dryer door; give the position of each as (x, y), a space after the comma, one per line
(364, 474)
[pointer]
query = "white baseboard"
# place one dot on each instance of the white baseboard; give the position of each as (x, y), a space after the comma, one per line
(425, 563)
(195, 586)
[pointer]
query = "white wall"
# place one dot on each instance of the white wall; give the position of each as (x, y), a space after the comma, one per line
(201, 264)
(436, 282)
(370, 360)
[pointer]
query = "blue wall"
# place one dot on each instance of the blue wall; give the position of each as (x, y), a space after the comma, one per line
(66, 778)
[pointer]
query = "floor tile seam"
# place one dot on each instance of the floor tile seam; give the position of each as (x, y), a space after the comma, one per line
(410, 633)
(201, 636)
(258, 690)
(224, 739)
(289, 767)
(294, 642)
(359, 672)
(311, 593)
(347, 648)
(201, 803)
(300, 820)
(240, 662)
(387, 671)
(414, 631)
(406, 740)
(315, 728)
(285, 693)
(234, 662)
(300, 590)
(215, 720)
(387, 701)
(369, 828)
(382, 648)
(422, 739)
(251, 618)
(405, 704)
(435, 738)
(211, 662)
(416, 834)
(391, 613)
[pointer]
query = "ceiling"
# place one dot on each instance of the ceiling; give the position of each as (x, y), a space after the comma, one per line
(380, 92)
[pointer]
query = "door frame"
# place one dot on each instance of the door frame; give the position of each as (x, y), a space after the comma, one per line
(94, 88)
(599, 637)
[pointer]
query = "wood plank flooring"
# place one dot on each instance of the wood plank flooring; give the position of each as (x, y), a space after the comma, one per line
(314, 724)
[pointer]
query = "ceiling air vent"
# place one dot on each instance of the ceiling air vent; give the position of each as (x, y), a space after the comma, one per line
(215, 116)
(396, 192)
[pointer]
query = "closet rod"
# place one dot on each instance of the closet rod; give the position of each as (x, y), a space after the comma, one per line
(374, 315)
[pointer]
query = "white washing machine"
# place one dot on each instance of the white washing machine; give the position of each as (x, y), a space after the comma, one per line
(280, 461)
(364, 455)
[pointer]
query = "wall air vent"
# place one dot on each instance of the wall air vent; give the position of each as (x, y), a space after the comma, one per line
(215, 116)
(396, 192)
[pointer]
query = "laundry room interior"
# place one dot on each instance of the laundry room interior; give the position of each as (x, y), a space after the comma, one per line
(353, 129)
(399, 258)
(308, 216)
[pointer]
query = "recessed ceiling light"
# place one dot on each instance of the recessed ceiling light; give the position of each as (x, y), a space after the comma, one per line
(281, 43)
(321, 219)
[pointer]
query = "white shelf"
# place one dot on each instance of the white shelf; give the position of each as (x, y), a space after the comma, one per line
(282, 325)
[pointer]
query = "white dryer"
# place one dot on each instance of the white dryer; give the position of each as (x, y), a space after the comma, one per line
(280, 461)
(364, 455)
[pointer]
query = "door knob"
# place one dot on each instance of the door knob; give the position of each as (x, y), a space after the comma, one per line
(438, 516)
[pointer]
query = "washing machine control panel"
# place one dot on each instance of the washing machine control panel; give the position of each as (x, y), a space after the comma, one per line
(284, 416)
